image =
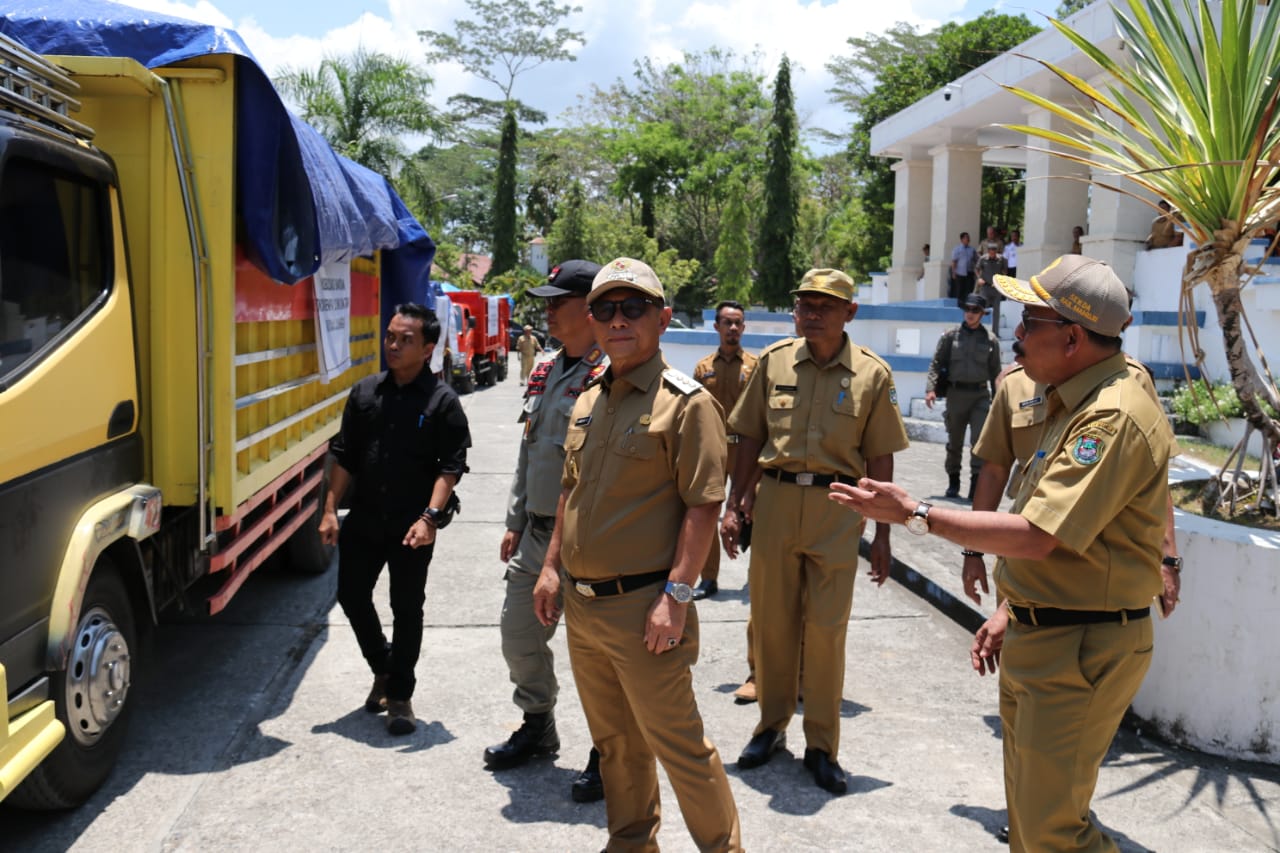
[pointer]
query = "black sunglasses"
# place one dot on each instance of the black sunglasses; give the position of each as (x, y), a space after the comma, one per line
(633, 307)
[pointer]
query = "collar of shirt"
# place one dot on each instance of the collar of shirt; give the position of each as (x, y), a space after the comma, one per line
(642, 377)
(843, 356)
(736, 356)
(1074, 391)
(425, 380)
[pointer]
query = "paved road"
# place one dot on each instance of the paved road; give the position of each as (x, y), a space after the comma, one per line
(251, 734)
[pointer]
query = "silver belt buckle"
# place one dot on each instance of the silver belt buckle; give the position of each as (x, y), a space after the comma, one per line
(804, 478)
(731, 438)
(584, 589)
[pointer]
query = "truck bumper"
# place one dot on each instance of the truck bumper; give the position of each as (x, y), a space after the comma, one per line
(25, 740)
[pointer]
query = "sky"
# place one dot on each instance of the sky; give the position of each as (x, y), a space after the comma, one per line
(616, 33)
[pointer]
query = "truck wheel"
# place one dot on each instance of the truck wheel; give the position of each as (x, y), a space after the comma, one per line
(92, 698)
(502, 368)
(484, 374)
(304, 552)
(466, 384)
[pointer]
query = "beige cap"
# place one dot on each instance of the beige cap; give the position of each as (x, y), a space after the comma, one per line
(831, 282)
(625, 272)
(1080, 289)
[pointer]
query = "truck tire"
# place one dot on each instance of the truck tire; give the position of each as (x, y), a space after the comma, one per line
(92, 698)
(466, 384)
(304, 552)
(484, 373)
(502, 367)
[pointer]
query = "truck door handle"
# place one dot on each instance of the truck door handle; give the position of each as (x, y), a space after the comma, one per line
(121, 421)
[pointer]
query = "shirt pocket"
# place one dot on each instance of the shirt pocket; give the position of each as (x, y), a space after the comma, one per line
(782, 411)
(847, 412)
(638, 446)
(574, 441)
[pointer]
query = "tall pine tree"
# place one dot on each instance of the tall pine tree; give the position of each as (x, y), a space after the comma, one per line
(778, 268)
(733, 255)
(504, 200)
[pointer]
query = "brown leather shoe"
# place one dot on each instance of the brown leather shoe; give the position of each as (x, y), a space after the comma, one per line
(377, 701)
(400, 719)
(746, 694)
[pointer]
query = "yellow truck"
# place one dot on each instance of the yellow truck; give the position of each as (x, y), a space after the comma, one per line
(165, 409)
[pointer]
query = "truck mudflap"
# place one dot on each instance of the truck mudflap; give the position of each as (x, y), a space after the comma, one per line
(26, 738)
(133, 512)
(262, 524)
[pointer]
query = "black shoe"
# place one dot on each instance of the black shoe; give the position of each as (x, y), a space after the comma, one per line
(706, 589)
(761, 748)
(537, 736)
(953, 490)
(589, 786)
(1002, 835)
(826, 773)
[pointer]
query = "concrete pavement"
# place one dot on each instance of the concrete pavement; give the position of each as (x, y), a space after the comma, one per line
(252, 735)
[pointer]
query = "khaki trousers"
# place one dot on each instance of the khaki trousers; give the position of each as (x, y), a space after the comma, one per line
(1063, 692)
(640, 706)
(804, 558)
(711, 568)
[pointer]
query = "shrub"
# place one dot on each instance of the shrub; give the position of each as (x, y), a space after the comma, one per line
(1194, 406)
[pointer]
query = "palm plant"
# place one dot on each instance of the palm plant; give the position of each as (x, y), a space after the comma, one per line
(1193, 117)
(361, 104)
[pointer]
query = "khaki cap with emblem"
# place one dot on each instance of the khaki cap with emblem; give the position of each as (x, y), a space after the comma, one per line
(1080, 289)
(829, 282)
(625, 272)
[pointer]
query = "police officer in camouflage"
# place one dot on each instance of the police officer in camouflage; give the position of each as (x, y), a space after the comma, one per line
(553, 389)
(968, 359)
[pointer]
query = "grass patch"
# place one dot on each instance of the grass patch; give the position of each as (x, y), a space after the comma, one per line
(1190, 496)
(1212, 454)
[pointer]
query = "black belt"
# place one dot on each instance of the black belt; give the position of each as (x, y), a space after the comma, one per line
(804, 478)
(618, 586)
(1052, 617)
(969, 386)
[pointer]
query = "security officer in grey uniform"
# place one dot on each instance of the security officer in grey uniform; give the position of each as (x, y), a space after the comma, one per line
(553, 389)
(968, 356)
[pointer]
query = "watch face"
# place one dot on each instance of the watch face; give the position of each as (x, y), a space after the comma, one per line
(681, 592)
(917, 525)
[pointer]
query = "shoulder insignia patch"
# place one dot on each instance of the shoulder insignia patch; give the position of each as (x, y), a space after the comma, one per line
(893, 395)
(682, 382)
(777, 345)
(583, 421)
(1087, 449)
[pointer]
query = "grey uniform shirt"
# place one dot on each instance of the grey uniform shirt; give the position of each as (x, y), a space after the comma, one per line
(548, 401)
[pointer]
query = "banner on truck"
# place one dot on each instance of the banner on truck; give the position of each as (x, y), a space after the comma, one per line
(444, 313)
(333, 319)
(491, 329)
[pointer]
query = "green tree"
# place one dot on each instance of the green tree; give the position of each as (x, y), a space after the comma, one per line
(778, 263)
(569, 234)
(733, 256)
(362, 104)
(505, 255)
(1193, 117)
(957, 49)
(505, 39)
(1070, 7)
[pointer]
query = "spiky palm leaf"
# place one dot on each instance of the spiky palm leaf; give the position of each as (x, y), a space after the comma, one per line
(1194, 118)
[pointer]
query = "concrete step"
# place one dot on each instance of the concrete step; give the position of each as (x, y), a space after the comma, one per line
(922, 412)
(928, 431)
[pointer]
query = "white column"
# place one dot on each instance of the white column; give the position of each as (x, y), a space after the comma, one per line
(957, 200)
(1118, 225)
(913, 186)
(1056, 200)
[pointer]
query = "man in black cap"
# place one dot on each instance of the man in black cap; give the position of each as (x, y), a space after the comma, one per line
(967, 362)
(553, 389)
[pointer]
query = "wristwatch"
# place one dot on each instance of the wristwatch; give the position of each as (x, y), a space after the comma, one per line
(681, 592)
(918, 521)
(1174, 563)
(431, 516)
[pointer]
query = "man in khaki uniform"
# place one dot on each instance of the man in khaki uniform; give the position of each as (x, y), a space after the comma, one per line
(1081, 551)
(724, 373)
(554, 387)
(527, 346)
(643, 483)
(817, 409)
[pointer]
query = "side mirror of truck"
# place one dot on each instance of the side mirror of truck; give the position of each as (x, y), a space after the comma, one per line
(471, 322)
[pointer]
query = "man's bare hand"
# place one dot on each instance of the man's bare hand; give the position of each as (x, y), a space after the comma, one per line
(988, 641)
(510, 540)
(546, 596)
(664, 628)
(929, 398)
(1172, 589)
(975, 574)
(730, 531)
(420, 533)
(881, 560)
(329, 528)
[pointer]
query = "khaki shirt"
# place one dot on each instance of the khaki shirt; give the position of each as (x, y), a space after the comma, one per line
(725, 377)
(527, 346)
(1163, 232)
(1098, 481)
(552, 392)
(641, 449)
(824, 420)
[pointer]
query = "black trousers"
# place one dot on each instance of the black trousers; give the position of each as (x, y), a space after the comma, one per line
(963, 286)
(362, 552)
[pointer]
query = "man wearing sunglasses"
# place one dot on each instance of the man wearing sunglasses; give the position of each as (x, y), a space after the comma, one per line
(965, 365)
(554, 388)
(643, 481)
(818, 409)
(1081, 552)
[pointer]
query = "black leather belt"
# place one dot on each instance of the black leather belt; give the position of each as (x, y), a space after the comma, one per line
(619, 585)
(804, 478)
(969, 386)
(1052, 617)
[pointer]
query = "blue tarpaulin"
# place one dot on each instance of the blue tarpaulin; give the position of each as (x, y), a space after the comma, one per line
(301, 203)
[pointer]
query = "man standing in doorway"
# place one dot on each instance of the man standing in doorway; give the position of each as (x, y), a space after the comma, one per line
(403, 442)
(963, 261)
(554, 387)
(724, 373)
